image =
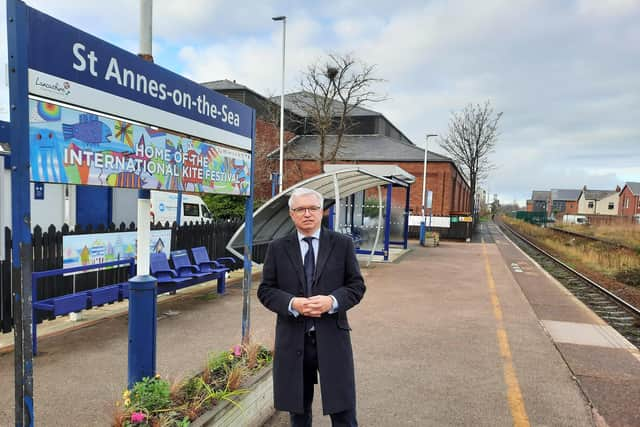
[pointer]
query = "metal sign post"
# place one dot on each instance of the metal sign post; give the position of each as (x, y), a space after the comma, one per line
(22, 253)
(248, 246)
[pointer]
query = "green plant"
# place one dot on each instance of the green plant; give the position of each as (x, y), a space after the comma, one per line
(150, 394)
(156, 402)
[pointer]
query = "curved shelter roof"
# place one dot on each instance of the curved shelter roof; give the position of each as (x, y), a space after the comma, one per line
(272, 221)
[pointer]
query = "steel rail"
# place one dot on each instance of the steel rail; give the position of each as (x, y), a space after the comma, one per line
(595, 239)
(613, 296)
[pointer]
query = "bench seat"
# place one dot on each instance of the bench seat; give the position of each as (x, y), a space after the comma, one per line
(64, 304)
(104, 295)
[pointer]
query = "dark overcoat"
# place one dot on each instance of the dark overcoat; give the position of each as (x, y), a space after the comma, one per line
(338, 274)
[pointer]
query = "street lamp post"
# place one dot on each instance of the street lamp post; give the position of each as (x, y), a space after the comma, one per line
(424, 190)
(284, 36)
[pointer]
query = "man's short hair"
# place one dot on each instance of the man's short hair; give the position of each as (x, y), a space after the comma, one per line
(301, 191)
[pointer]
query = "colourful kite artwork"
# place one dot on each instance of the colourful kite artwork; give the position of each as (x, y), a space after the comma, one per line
(124, 132)
(76, 147)
(87, 249)
(48, 111)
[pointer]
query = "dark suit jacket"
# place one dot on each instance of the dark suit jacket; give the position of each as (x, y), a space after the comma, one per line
(338, 274)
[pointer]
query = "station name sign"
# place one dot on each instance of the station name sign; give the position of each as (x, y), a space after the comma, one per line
(69, 65)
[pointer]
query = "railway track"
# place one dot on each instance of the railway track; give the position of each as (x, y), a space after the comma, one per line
(592, 238)
(618, 313)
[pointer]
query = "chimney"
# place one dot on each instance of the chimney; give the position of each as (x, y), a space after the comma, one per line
(584, 188)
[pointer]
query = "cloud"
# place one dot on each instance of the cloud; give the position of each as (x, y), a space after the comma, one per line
(563, 73)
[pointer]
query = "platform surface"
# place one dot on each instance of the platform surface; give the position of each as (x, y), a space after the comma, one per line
(463, 334)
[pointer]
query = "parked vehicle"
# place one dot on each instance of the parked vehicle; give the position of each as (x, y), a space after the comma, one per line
(164, 208)
(575, 219)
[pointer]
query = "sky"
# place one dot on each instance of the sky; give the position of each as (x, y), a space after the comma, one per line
(565, 74)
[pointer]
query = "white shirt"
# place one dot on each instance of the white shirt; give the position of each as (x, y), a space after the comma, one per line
(304, 248)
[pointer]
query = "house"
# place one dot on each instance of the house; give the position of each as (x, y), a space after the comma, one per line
(629, 203)
(564, 202)
(540, 201)
(598, 202)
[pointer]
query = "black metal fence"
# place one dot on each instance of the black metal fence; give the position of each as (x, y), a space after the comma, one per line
(48, 255)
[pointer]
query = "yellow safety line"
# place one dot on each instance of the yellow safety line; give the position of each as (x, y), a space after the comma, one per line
(514, 395)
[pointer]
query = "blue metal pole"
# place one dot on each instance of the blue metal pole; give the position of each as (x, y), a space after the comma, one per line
(179, 209)
(275, 179)
(331, 217)
(387, 223)
(142, 328)
(248, 241)
(142, 304)
(22, 253)
(405, 234)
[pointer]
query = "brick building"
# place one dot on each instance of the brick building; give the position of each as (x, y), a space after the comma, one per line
(267, 130)
(448, 184)
(372, 139)
(629, 204)
(564, 202)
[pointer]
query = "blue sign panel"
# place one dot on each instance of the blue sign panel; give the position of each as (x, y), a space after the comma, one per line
(38, 190)
(71, 66)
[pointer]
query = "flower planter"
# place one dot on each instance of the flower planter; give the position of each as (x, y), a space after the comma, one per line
(431, 241)
(252, 409)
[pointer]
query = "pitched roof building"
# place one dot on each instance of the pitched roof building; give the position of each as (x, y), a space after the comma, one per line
(600, 202)
(371, 138)
(629, 203)
(564, 202)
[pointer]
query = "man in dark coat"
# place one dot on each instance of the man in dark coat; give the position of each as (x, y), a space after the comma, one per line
(312, 331)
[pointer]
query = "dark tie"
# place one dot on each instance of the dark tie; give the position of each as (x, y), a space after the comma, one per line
(309, 266)
(309, 269)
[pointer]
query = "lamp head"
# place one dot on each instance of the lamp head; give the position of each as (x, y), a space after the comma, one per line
(279, 18)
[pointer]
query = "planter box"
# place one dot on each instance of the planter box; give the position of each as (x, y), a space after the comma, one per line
(431, 241)
(256, 406)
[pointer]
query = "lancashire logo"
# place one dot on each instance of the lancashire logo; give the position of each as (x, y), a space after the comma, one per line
(56, 87)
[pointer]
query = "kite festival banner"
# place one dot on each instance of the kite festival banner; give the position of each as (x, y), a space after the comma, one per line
(89, 249)
(74, 67)
(69, 146)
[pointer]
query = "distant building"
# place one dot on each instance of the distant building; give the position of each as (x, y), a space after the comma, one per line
(629, 202)
(540, 201)
(564, 202)
(598, 202)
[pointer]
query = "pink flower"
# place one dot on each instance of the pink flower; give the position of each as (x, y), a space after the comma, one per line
(237, 350)
(138, 417)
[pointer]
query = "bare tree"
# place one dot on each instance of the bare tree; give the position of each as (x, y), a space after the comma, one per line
(472, 136)
(330, 90)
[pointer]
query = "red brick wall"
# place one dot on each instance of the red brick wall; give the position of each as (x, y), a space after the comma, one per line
(450, 193)
(267, 140)
(634, 202)
(571, 207)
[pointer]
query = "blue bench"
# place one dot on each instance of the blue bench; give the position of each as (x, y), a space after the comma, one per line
(75, 302)
(215, 268)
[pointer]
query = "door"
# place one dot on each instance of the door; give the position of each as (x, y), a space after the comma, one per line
(93, 206)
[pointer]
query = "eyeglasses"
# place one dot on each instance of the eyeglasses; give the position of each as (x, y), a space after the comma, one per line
(301, 211)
